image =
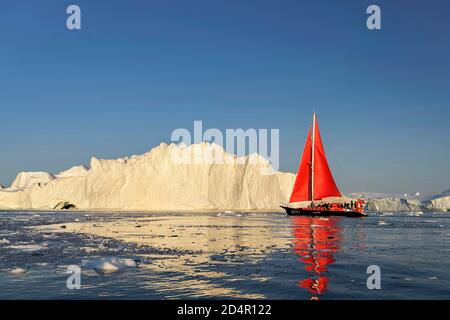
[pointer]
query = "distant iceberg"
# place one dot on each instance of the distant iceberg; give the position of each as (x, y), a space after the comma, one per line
(392, 204)
(440, 202)
(400, 204)
(406, 202)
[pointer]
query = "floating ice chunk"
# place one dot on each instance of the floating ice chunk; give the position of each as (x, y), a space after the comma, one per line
(124, 262)
(17, 271)
(105, 267)
(89, 249)
(42, 264)
(4, 241)
(109, 265)
(49, 236)
(28, 247)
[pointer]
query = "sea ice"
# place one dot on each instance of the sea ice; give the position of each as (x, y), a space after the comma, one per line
(28, 247)
(108, 265)
(17, 271)
(89, 250)
(42, 264)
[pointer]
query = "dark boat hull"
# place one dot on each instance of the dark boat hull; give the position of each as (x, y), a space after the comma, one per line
(321, 213)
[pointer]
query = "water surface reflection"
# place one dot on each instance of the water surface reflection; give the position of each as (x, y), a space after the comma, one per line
(316, 241)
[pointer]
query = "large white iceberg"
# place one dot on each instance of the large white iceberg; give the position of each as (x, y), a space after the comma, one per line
(169, 177)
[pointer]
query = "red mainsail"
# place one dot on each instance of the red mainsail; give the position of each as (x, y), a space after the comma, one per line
(314, 179)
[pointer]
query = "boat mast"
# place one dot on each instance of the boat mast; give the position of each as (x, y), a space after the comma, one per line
(312, 155)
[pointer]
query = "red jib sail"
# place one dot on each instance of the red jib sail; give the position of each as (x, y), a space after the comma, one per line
(314, 179)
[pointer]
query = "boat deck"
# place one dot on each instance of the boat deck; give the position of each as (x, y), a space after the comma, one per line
(319, 212)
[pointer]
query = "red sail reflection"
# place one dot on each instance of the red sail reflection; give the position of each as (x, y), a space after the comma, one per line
(316, 240)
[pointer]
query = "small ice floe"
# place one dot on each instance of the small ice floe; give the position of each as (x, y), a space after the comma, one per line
(109, 265)
(382, 223)
(42, 264)
(21, 219)
(228, 213)
(387, 214)
(49, 236)
(4, 241)
(17, 271)
(77, 220)
(433, 278)
(219, 214)
(28, 247)
(89, 250)
(407, 279)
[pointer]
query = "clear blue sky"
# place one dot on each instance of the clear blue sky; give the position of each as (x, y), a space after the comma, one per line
(139, 69)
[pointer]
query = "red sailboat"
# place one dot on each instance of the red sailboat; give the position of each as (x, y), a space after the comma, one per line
(315, 193)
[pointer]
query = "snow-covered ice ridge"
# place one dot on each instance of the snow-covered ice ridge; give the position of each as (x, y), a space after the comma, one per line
(156, 181)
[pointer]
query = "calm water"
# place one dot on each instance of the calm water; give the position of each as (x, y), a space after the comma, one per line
(225, 255)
